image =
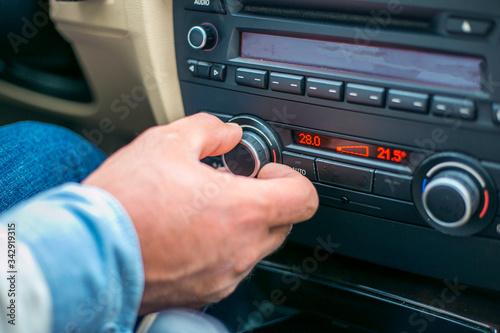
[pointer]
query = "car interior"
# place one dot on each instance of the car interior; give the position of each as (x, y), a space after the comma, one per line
(390, 107)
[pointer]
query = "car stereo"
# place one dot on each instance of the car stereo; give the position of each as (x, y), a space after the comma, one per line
(392, 110)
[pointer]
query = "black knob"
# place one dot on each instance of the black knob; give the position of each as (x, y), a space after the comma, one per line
(202, 37)
(259, 145)
(451, 198)
(454, 194)
(248, 156)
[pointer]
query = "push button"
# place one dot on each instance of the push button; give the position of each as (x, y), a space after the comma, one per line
(292, 84)
(407, 101)
(300, 163)
(453, 107)
(211, 6)
(360, 94)
(391, 185)
(325, 89)
(204, 69)
(218, 72)
(344, 175)
(251, 78)
(193, 67)
(465, 26)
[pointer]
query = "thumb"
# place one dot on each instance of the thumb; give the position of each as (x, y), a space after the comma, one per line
(274, 170)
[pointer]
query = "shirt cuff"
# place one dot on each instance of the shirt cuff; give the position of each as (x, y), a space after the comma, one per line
(89, 252)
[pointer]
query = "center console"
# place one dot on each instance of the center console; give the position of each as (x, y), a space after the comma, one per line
(391, 109)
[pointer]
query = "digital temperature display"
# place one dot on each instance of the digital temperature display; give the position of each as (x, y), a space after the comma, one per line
(356, 148)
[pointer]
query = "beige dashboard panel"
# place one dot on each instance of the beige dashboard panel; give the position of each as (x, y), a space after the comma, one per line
(126, 50)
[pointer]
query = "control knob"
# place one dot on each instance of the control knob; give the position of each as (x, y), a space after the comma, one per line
(451, 198)
(202, 37)
(454, 194)
(248, 156)
(258, 146)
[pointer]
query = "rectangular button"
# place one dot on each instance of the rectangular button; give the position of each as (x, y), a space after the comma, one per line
(204, 69)
(360, 94)
(293, 84)
(251, 78)
(211, 6)
(465, 26)
(344, 175)
(218, 72)
(301, 163)
(453, 107)
(392, 185)
(407, 101)
(325, 89)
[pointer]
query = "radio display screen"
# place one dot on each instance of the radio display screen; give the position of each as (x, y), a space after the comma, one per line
(439, 69)
(356, 148)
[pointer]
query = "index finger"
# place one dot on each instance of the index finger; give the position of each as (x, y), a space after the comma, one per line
(205, 135)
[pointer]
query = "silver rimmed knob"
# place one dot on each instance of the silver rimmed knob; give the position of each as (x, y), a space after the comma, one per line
(451, 198)
(251, 154)
(202, 37)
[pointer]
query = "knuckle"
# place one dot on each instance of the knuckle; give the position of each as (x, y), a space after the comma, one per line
(204, 118)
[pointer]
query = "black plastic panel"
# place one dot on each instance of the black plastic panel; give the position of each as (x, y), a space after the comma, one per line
(272, 301)
(382, 228)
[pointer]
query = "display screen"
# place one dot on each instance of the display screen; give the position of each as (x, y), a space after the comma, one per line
(438, 69)
(356, 148)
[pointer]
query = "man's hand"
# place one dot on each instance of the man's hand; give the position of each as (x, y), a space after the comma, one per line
(201, 230)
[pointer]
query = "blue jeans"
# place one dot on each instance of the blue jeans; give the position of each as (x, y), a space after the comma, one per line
(36, 156)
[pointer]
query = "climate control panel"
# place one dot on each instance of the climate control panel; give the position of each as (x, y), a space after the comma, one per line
(398, 131)
(448, 191)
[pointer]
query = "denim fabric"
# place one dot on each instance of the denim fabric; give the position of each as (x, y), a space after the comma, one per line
(36, 156)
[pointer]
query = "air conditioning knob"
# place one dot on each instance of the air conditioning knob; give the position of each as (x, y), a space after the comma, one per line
(248, 156)
(258, 146)
(451, 198)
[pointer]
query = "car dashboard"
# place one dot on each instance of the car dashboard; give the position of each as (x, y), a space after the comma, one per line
(391, 109)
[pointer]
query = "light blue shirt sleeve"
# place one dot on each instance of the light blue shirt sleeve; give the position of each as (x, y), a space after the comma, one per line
(89, 254)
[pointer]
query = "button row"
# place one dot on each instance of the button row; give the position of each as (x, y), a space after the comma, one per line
(207, 70)
(349, 176)
(357, 93)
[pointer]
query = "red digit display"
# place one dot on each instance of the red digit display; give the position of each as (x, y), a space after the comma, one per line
(309, 139)
(393, 155)
(361, 149)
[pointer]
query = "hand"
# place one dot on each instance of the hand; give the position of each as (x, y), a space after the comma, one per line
(201, 230)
